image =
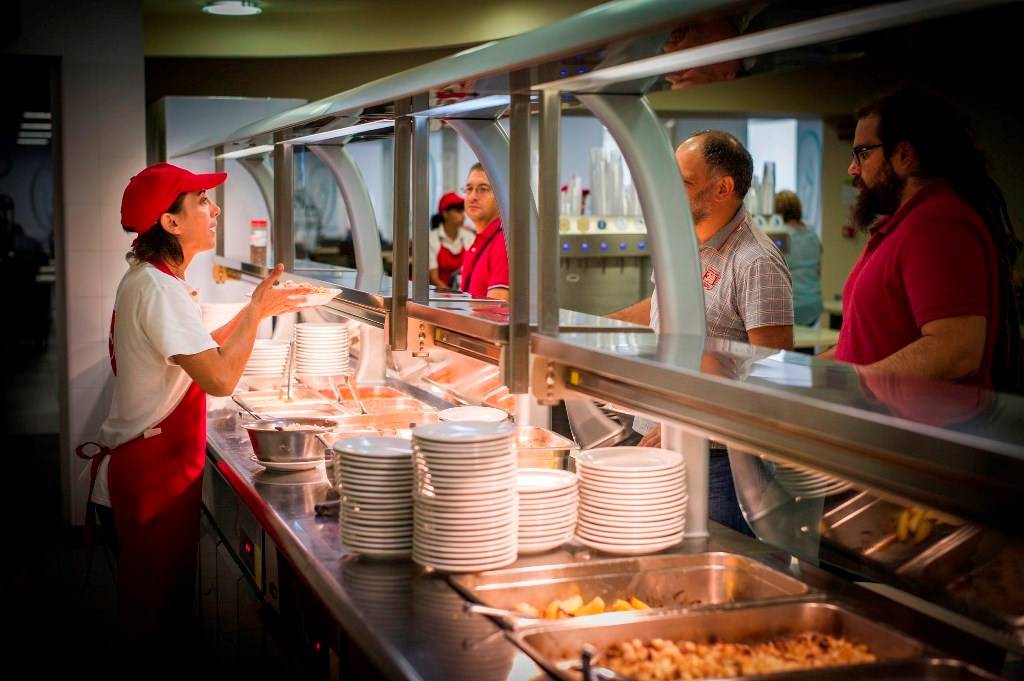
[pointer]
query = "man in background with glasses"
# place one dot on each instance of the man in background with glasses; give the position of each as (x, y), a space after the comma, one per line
(931, 294)
(485, 265)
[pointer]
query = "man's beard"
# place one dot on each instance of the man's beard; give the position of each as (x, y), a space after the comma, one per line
(700, 208)
(883, 198)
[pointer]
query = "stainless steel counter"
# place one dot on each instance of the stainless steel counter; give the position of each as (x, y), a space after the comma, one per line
(410, 623)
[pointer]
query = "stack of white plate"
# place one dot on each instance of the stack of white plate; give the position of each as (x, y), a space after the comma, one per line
(321, 349)
(547, 508)
(466, 506)
(807, 484)
(269, 359)
(632, 499)
(376, 495)
(488, 414)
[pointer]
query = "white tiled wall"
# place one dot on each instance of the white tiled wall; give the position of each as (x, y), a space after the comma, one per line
(104, 144)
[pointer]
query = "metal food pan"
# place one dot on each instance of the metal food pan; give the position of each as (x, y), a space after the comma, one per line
(542, 448)
(866, 526)
(930, 669)
(556, 646)
(673, 581)
(397, 420)
(257, 399)
(393, 404)
(325, 410)
(369, 392)
(979, 570)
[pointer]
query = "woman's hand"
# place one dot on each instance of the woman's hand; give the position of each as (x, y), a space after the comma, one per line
(269, 298)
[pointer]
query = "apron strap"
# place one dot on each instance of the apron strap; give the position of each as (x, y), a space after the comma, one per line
(101, 450)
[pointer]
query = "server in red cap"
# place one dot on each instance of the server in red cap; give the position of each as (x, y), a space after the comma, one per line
(449, 240)
(147, 467)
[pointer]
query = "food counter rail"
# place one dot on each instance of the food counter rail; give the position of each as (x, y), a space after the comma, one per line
(411, 624)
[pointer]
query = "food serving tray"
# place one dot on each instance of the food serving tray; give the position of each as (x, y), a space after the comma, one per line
(672, 581)
(556, 645)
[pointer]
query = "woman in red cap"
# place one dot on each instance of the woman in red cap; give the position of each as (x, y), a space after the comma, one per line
(449, 239)
(147, 473)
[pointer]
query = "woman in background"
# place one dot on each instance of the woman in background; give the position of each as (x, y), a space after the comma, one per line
(804, 260)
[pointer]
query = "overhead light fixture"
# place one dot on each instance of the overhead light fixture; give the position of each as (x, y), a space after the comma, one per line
(343, 132)
(248, 151)
(32, 140)
(232, 8)
(37, 126)
(35, 133)
(37, 115)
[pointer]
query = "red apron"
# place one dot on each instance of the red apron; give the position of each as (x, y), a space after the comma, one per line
(448, 263)
(155, 494)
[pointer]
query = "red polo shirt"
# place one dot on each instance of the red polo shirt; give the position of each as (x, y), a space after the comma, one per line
(485, 265)
(933, 259)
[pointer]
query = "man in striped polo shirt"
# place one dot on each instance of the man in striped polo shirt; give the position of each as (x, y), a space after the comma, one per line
(748, 291)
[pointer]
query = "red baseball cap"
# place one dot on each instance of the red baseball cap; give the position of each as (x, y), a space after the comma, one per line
(150, 193)
(449, 200)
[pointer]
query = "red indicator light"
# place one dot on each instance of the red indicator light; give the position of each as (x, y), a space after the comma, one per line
(316, 646)
(248, 547)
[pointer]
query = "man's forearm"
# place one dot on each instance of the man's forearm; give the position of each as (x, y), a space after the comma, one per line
(928, 357)
(639, 313)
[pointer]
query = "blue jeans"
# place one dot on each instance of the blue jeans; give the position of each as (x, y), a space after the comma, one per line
(723, 507)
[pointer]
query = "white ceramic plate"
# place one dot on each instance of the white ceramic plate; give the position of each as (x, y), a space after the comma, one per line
(287, 466)
(607, 515)
(462, 432)
(631, 549)
(374, 447)
(630, 459)
(654, 498)
(485, 414)
(546, 498)
(602, 475)
(383, 554)
(603, 533)
(470, 566)
(526, 548)
(495, 522)
(536, 480)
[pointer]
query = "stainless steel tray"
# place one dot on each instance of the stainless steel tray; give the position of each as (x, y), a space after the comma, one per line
(542, 448)
(866, 527)
(390, 405)
(325, 410)
(981, 572)
(256, 399)
(674, 581)
(556, 645)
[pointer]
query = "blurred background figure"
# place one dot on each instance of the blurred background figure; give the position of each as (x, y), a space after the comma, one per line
(803, 258)
(449, 239)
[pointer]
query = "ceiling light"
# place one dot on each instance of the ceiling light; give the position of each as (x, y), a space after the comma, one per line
(232, 8)
(35, 133)
(248, 151)
(37, 126)
(37, 115)
(32, 140)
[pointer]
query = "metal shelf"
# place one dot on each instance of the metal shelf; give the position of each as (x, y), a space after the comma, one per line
(951, 447)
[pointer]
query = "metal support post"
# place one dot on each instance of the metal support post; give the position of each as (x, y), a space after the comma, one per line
(397, 316)
(420, 203)
(548, 194)
(283, 231)
(518, 232)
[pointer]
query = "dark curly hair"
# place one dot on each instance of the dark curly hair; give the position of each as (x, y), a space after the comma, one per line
(156, 244)
(726, 155)
(944, 144)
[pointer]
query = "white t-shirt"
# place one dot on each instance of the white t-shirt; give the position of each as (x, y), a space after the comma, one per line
(156, 317)
(464, 239)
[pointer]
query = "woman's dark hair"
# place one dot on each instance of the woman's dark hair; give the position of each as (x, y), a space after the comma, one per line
(436, 220)
(726, 155)
(945, 148)
(155, 244)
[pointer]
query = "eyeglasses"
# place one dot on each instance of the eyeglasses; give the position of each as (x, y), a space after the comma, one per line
(861, 152)
(479, 189)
